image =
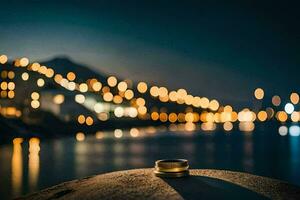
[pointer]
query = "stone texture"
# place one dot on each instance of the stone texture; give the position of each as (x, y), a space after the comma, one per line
(143, 184)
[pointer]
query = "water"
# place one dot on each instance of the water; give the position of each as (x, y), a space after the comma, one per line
(25, 169)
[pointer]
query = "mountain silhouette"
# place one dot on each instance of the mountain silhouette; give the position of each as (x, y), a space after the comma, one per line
(64, 64)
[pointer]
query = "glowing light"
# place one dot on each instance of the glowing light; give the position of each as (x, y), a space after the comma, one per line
(154, 91)
(294, 130)
(289, 108)
(295, 116)
(99, 135)
(97, 86)
(35, 104)
(188, 99)
(42, 70)
(129, 94)
(71, 86)
(276, 100)
(11, 85)
(3, 85)
(134, 132)
(58, 78)
(117, 99)
(132, 112)
(33, 162)
(204, 102)
(196, 102)
(25, 76)
(89, 121)
(103, 116)
(283, 130)
(163, 117)
(80, 137)
(49, 73)
(140, 101)
(79, 98)
(142, 87)
(17, 167)
(122, 86)
(24, 62)
(173, 96)
(81, 119)
(213, 105)
(154, 116)
(208, 126)
(108, 96)
(4, 74)
(58, 99)
(227, 126)
(118, 133)
(112, 81)
(119, 112)
(142, 110)
(83, 87)
(105, 89)
(246, 126)
(3, 94)
(246, 116)
(228, 108)
(35, 96)
(3, 59)
(35, 66)
(262, 116)
(294, 98)
(172, 117)
(11, 75)
(189, 117)
(98, 107)
(40, 82)
(181, 93)
(282, 116)
(189, 126)
(11, 94)
(259, 93)
(164, 98)
(71, 76)
(162, 91)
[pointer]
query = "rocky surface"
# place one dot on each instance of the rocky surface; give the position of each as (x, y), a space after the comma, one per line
(143, 184)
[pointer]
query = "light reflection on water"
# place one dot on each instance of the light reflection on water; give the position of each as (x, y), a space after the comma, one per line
(17, 167)
(36, 165)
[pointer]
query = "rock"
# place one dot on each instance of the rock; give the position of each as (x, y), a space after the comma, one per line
(143, 184)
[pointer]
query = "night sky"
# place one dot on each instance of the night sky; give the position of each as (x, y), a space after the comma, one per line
(213, 49)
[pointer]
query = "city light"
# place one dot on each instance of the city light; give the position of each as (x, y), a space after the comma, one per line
(283, 130)
(289, 108)
(259, 93)
(112, 81)
(3, 59)
(142, 87)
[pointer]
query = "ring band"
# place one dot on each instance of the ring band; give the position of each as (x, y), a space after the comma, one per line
(175, 169)
(172, 168)
(171, 163)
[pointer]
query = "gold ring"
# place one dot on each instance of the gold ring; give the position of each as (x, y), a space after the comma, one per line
(175, 169)
(171, 163)
(171, 168)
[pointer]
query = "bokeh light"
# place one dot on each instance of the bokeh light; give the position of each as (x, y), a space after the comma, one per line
(259, 93)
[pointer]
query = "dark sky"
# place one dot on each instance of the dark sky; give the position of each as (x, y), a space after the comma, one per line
(215, 49)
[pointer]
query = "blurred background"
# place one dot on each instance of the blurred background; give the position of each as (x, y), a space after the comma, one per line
(88, 87)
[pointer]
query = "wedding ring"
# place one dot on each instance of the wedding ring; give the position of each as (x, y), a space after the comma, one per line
(171, 163)
(171, 168)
